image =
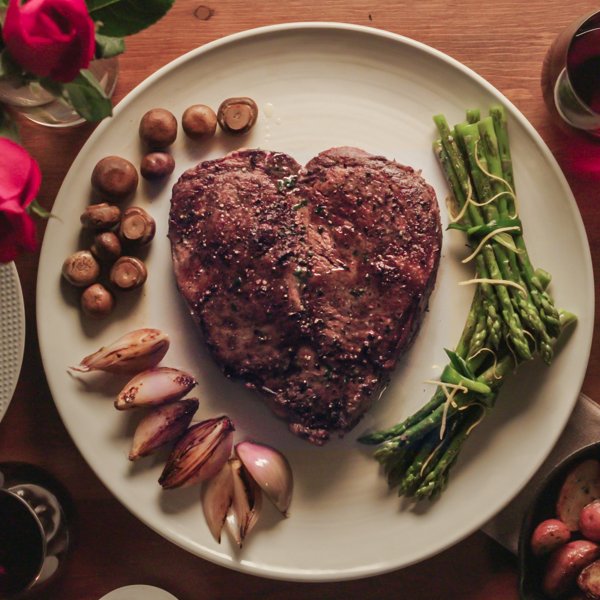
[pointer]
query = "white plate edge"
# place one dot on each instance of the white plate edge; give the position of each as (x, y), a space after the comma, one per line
(353, 573)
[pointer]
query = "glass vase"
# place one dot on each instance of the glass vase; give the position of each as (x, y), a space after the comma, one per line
(41, 106)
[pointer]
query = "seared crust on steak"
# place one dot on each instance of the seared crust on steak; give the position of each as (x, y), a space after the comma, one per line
(307, 290)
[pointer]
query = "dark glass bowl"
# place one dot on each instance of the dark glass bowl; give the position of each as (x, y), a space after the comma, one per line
(543, 507)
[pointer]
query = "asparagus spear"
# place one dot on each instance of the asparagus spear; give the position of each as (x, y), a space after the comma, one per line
(417, 455)
(548, 311)
(508, 267)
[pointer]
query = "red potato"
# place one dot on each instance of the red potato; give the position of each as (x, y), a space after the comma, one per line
(548, 536)
(589, 581)
(581, 486)
(565, 564)
(589, 521)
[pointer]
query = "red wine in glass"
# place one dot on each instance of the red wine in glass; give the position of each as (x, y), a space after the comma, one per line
(583, 64)
(22, 545)
(571, 75)
(35, 511)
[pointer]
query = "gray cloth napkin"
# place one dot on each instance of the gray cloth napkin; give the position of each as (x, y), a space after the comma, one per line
(582, 429)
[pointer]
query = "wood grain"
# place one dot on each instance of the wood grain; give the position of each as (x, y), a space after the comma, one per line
(505, 42)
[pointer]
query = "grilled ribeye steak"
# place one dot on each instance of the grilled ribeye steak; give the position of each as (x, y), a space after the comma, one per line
(307, 283)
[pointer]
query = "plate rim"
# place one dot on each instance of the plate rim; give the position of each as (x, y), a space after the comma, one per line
(375, 568)
(20, 306)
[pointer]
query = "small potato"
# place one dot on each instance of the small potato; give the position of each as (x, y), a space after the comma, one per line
(565, 564)
(589, 581)
(114, 178)
(549, 535)
(156, 165)
(589, 521)
(581, 486)
(158, 128)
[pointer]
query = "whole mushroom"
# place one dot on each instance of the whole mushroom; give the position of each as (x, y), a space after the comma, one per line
(128, 273)
(106, 246)
(156, 165)
(137, 226)
(97, 302)
(100, 216)
(115, 178)
(81, 269)
(199, 121)
(158, 128)
(237, 115)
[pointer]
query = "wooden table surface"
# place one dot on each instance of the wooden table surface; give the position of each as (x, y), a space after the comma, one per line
(504, 41)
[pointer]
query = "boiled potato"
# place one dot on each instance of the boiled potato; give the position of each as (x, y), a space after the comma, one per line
(565, 564)
(589, 581)
(581, 486)
(549, 535)
(589, 521)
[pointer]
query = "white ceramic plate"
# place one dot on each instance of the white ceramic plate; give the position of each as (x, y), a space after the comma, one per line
(138, 592)
(320, 85)
(12, 333)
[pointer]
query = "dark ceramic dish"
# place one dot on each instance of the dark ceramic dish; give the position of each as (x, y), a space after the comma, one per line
(544, 507)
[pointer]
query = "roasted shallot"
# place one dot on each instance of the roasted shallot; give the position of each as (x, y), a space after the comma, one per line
(199, 454)
(271, 471)
(135, 351)
(217, 499)
(162, 425)
(155, 386)
(246, 505)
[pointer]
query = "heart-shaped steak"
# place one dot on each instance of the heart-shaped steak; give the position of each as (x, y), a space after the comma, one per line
(307, 283)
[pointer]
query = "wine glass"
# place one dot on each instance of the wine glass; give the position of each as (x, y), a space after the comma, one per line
(571, 75)
(34, 536)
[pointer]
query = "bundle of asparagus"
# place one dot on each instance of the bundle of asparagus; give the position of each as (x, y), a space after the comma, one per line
(512, 316)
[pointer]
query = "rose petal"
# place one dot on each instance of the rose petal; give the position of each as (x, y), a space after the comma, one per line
(20, 175)
(50, 38)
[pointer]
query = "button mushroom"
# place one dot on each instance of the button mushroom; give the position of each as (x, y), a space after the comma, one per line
(128, 273)
(237, 115)
(137, 226)
(156, 165)
(158, 128)
(115, 178)
(81, 269)
(106, 246)
(100, 216)
(97, 302)
(199, 121)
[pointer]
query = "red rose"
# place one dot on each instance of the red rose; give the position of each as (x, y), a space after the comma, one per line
(20, 180)
(50, 38)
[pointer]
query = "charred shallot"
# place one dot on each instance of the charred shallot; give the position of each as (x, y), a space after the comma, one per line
(135, 351)
(155, 386)
(161, 426)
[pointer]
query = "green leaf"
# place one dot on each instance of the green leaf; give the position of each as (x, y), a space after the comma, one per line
(8, 128)
(451, 375)
(479, 231)
(107, 47)
(8, 66)
(39, 211)
(118, 18)
(506, 240)
(460, 364)
(87, 97)
(458, 226)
